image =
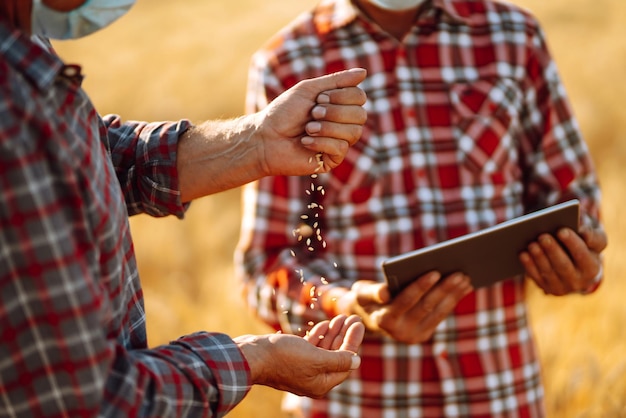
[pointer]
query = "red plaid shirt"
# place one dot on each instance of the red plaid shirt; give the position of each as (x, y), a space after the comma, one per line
(72, 321)
(468, 126)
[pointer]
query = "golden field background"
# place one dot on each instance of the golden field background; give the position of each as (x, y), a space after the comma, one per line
(168, 60)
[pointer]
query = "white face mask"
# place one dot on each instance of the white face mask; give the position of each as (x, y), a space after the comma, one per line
(93, 15)
(396, 4)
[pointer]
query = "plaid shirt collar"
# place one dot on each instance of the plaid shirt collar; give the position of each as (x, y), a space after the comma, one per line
(335, 14)
(29, 56)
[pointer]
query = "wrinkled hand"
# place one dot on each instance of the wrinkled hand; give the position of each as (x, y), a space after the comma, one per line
(323, 115)
(567, 263)
(309, 366)
(412, 316)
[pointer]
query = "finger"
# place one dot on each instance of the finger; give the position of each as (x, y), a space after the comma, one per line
(413, 293)
(349, 132)
(596, 239)
(348, 114)
(532, 271)
(334, 332)
(583, 258)
(367, 292)
(346, 78)
(337, 332)
(588, 262)
(354, 334)
(441, 300)
(551, 283)
(384, 295)
(320, 329)
(344, 361)
(331, 150)
(343, 96)
(559, 259)
(315, 376)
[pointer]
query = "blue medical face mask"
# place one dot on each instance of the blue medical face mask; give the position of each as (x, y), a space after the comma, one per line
(92, 16)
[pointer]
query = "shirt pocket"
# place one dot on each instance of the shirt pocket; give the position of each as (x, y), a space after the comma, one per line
(485, 114)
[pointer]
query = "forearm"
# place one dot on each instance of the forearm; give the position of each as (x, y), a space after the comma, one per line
(161, 165)
(219, 155)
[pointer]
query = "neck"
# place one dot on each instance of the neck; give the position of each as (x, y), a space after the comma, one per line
(395, 22)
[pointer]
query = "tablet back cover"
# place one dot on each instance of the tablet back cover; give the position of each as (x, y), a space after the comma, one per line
(487, 256)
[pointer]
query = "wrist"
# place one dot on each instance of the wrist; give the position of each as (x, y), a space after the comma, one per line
(253, 125)
(219, 155)
(252, 350)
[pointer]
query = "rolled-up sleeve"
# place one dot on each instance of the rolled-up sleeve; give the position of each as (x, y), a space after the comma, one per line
(144, 157)
(198, 375)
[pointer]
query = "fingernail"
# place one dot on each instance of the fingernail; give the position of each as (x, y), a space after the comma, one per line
(434, 277)
(355, 363)
(545, 239)
(307, 140)
(318, 112)
(313, 127)
(323, 98)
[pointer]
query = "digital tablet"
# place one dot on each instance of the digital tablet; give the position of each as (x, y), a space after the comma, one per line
(487, 256)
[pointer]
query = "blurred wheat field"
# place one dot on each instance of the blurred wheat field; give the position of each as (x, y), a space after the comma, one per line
(170, 60)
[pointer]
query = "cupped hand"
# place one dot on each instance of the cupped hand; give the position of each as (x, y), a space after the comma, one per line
(414, 314)
(567, 263)
(309, 366)
(340, 333)
(320, 116)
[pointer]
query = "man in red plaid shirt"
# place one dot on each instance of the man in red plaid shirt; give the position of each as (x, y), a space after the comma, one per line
(468, 126)
(72, 323)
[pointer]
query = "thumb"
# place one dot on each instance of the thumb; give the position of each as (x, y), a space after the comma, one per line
(340, 79)
(369, 292)
(341, 361)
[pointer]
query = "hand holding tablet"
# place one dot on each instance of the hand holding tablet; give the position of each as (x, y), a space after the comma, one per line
(487, 256)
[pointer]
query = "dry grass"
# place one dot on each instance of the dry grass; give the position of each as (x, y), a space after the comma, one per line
(167, 60)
